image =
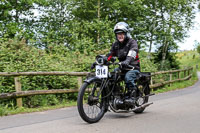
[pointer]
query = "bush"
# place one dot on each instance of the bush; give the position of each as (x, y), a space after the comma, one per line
(25, 58)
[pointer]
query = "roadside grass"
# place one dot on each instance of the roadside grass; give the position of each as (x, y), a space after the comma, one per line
(4, 111)
(189, 58)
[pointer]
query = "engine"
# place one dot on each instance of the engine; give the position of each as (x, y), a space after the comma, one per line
(118, 103)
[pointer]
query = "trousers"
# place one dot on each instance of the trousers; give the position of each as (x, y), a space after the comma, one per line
(130, 78)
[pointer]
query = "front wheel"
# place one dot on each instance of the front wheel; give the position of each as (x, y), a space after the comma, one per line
(91, 104)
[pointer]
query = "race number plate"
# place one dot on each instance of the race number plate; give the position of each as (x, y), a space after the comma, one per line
(101, 71)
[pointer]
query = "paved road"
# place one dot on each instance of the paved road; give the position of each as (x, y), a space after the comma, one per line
(172, 112)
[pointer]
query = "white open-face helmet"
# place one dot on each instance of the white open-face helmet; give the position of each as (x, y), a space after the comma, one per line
(122, 27)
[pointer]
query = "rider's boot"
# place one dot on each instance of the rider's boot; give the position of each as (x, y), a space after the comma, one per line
(132, 96)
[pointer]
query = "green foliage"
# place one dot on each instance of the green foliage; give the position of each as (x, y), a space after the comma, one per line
(146, 64)
(84, 35)
(3, 110)
(12, 20)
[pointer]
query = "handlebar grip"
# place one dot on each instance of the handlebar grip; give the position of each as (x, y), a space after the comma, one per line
(129, 66)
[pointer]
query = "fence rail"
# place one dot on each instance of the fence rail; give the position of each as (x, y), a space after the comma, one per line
(19, 93)
(43, 73)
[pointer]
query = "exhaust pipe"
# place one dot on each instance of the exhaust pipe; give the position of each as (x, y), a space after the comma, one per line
(142, 106)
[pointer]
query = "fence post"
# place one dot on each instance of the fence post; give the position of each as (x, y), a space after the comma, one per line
(184, 73)
(80, 81)
(188, 72)
(179, 75)
(170, 78)
(151, 82)
(18, 88)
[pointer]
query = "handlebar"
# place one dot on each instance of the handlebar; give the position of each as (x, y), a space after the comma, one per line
(128, 66)
(102, 60)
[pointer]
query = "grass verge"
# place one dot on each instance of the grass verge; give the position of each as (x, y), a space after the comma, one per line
(4, 111)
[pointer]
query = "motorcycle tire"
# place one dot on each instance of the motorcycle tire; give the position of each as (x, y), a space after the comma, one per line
(91, 107)
(146, 91)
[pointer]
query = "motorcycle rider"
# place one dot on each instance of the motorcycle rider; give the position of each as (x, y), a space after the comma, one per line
(126, 50)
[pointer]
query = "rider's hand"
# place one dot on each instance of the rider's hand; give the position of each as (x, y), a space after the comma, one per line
(93, 65)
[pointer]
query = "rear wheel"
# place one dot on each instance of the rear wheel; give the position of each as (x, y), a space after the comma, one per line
(142, 100)
(91, 104)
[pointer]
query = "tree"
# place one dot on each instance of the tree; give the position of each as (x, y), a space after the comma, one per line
(170, 61)
(84, 25)
(198, 48)
(176, 19)
(16, 18)
(51, 26)
(111, 12)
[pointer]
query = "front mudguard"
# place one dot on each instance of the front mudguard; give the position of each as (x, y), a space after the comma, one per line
(92, 79)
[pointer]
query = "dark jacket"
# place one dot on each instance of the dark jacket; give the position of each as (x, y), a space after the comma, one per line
(121, 51)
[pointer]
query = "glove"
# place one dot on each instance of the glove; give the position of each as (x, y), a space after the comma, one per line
(93, 65)
(124, 63)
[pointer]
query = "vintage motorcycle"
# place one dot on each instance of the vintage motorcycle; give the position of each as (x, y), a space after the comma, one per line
(106, 91)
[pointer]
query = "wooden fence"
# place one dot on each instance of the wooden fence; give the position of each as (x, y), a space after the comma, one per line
(180, 75)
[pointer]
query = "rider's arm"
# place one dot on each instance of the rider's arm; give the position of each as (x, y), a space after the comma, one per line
(133, 52)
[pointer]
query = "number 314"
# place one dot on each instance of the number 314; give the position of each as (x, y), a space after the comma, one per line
(101, 71)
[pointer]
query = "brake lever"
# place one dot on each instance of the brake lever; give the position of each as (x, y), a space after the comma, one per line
(120, 65)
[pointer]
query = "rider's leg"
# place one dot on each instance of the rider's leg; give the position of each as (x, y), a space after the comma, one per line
(130, 78)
